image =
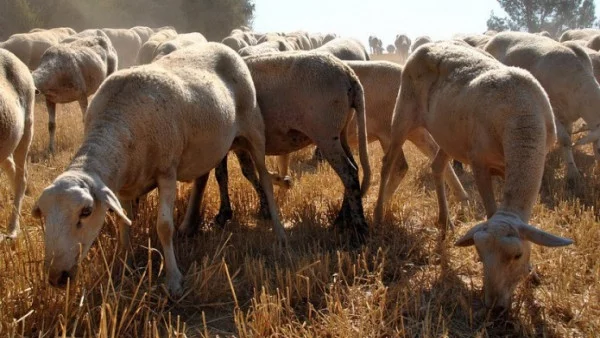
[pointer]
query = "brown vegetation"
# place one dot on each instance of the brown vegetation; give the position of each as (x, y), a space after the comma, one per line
(239, 282)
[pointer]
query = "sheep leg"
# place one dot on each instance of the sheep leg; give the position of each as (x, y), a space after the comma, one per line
(51, 107)
(256, 147)
(345, 213)
(426, 144)
(282, 178)
(167, 192)
(125, 234)
(249, 173)
(8, 166)
(483, 180)
(20, 178)
(189, 226)
(439, 165)
(564, 138)
(225, 213)
(317, 155)
(83, 104)
(335, 154)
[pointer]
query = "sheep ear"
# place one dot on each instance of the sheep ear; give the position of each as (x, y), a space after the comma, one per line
(467, 239)
(541, 237)
(108, 197)
(592, 136)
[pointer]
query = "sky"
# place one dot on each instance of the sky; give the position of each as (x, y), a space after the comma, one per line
(439, 19)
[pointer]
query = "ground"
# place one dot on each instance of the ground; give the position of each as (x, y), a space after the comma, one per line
(239, 282)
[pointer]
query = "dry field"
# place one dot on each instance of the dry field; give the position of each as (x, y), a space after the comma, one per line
(238, 282)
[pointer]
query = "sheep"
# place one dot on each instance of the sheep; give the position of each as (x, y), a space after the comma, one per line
(29, 47)
(376, 45)
(304, 98)
(497, 119)
(72, 71)
(16, 129)
(146, 52)
(345, 49)
(402, 44)
(593, 55)
(476, 40)
(566, 74)
(143, 32)
(151, 126)
(180, 41)
(301, 39)
(127, 43)
(421, 40)
(234, 43)
(545, 34)
(390, 49)
(594, 43)
(579, 34)
(273, 45)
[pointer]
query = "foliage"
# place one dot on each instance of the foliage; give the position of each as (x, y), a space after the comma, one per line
(554, 16)
(213, 18)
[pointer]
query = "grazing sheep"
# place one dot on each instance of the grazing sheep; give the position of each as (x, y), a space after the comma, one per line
(72, 71)
(127, 43)
(402, 44)
(151, 126)
(566, 74)
(146, 52)
(345, 49)
(29, 47)
(579, 34)
(180, 41)
(305, 98)
(16, 129)
(143, 32)
(421, 40)
(497, 119)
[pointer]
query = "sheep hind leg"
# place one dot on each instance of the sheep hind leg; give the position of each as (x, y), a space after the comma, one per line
(10, 169)
(256, 148)
(335, 154)
(345, 213)
(564, 138)
(191, 220)
(483, 180)
(225, 212)
(438, 167)
(249, 172)
(167, 192)
(83, 105)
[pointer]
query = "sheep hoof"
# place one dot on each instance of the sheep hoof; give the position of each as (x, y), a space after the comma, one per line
(223, 217)
(174, 285)
(283, 182)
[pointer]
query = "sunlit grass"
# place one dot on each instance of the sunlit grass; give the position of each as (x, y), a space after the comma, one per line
(238, 281)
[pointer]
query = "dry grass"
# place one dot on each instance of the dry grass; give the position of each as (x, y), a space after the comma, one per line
(239, 282)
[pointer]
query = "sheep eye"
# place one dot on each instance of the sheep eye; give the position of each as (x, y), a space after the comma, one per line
(85, 212)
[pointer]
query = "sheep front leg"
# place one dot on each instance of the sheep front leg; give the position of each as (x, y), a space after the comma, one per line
(83, 104)
(167, 191)
(564, 139)
(51, 107)
(10, 169)
(483, 179)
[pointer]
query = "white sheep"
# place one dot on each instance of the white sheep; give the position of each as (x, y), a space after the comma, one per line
(402, 44)
(29, 47)
(566, 74)
(345, 49)
(419, 41)
(579, 34)
(305, 98)
(497, 119)
(127, 43)
(17, 94)
(72, 71)
(146, 52)
(151, 126)
(180, 41)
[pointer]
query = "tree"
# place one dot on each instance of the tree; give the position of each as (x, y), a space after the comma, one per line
(553, 16)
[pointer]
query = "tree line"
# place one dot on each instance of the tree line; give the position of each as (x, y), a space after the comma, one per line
(553, 16)
(213, 18)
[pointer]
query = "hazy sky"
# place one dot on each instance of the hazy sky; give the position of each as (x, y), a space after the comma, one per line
(439, 19)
